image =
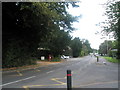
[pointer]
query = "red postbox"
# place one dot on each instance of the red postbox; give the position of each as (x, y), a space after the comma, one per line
(50, 57)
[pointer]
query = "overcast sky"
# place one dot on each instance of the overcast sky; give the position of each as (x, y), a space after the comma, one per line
(92, 13)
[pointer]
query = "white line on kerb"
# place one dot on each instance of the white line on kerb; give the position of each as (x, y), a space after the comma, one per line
(17, 81)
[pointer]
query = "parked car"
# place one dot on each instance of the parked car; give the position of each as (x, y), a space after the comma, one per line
(65, 57)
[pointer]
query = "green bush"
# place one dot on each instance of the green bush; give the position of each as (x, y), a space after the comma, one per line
(56, 59)
(14, 56)
(82, 53)
(110, 59)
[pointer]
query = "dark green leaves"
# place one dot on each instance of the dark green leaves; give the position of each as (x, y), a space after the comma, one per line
(30, 25)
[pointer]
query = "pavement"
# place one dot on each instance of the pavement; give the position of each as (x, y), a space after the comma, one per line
(99, 75)
(27, 67)
(86, 73)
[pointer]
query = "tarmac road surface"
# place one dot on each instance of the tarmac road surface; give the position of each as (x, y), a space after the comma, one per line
(86, 73)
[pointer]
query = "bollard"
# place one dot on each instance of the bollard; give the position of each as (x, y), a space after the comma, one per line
(97, 59)
(69, 81)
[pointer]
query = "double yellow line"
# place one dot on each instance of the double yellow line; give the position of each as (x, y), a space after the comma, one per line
(53, 79)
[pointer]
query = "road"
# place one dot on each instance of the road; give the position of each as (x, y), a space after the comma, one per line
(86, 73)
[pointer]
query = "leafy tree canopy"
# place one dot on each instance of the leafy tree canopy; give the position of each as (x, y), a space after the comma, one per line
(112, 24)
(28, 24)
(76, 46)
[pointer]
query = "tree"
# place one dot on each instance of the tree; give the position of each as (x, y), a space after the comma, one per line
(103, 48)
(28, 24)
(86, 48)
(113, 22)
(107, 46)
(76, 46)
(59, 42)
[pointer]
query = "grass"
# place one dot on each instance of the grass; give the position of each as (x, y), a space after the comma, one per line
(113, 60)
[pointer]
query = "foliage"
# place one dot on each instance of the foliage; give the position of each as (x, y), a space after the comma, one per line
(86, 47)
(107, 46)
(29, 25)
(113, 22)
(110, 59)
(82, 53)
(56, 59)
(59, 42)
(15, 55)
(76, 46)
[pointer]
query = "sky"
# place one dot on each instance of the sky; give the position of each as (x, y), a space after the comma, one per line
(92, 13)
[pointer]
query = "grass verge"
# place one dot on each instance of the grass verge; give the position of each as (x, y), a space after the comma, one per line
(113, 60)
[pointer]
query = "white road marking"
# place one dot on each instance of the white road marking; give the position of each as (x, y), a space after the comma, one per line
(17, 81)
(20, 74)
(72, 72)
(50, 71)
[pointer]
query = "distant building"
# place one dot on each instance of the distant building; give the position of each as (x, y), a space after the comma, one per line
(43, 52)
(114, 50)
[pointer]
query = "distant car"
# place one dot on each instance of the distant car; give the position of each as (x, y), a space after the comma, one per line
(96, 55)
(65, 57)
